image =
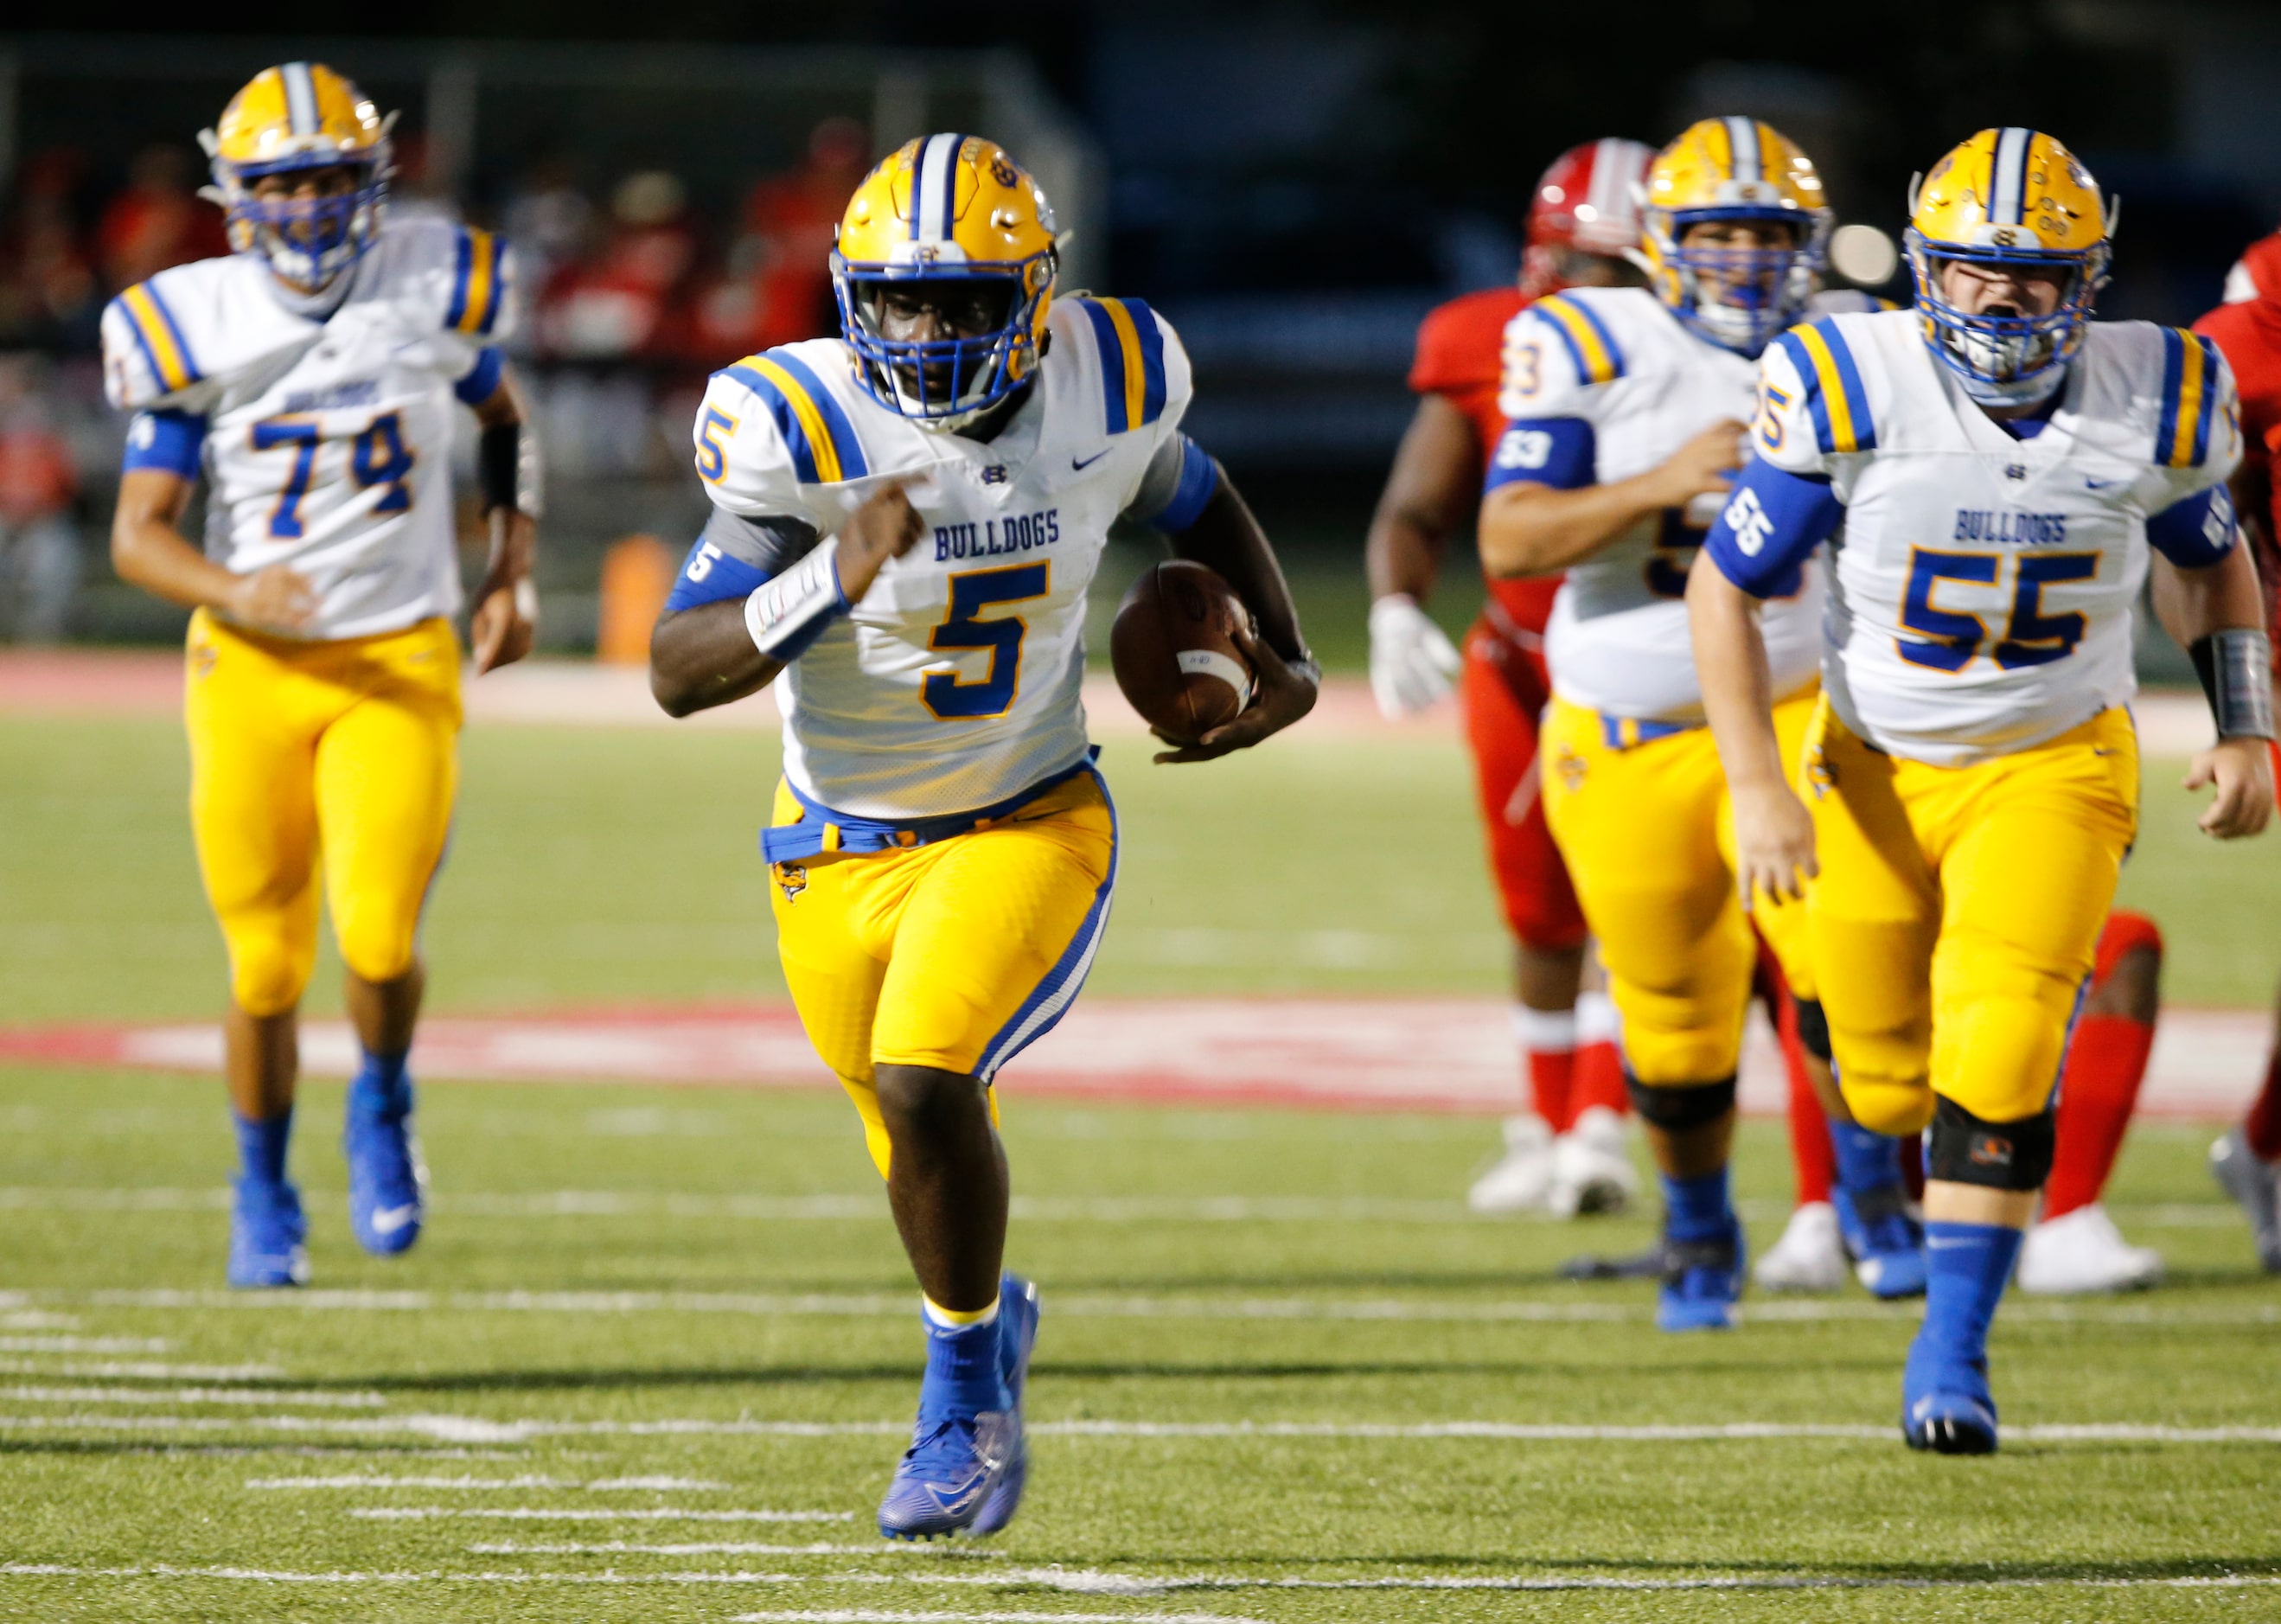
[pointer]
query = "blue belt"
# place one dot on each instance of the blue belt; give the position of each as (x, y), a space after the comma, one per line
(1624, 732)
(821, 830)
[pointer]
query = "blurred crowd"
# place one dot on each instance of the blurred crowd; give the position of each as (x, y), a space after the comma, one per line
(631, 295)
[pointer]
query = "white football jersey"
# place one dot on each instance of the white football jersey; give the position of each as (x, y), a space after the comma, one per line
(954, 685)
(1984, 583)
(327, 440)
(1617, 360)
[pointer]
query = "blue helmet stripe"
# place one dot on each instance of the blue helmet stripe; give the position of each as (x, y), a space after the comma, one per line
(836, 422)
(1809, 378)
(2007, 181)
(934, 188)
(2173, 373)
(300, 98)
(948, 166)
(1112, 365)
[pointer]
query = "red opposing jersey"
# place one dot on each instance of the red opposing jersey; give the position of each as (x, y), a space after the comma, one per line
(1460, 348)
(2249, 334)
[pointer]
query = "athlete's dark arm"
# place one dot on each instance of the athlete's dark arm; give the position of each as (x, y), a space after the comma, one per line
(702, 657)
(2197, 603)
(1228, 539)
(1434, 485)
(149, 550)
(506, 619)
(1531, 529)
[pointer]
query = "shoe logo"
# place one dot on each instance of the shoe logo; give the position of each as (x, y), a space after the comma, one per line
(388, 1220)
(1079, 467)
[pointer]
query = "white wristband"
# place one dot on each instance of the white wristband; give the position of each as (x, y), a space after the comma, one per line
(788, 612)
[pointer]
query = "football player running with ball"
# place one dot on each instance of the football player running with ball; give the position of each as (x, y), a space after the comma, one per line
(2000, 465)
(905, 525)
(310, 379)
(1626, 408)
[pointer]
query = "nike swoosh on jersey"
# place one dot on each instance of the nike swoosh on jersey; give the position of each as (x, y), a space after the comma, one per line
(1081, 467)
(2100, 484)
(388, 1220)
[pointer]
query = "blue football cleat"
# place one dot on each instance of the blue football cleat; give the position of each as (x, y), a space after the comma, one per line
(388, 1181)
(1947, 1406)
(950, 1472)
(1702, 1282)
(266, 1229)
(1886, 1244)
(1017, 1332)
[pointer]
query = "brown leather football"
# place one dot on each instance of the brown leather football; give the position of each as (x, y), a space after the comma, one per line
(1173, 647)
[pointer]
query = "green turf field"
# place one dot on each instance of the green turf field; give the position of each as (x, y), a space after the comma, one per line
(694, 1295)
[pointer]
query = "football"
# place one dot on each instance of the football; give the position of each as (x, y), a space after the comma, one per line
(1173, 647)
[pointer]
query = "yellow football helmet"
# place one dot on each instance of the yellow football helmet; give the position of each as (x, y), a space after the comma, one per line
(296, 116)
(956, 212)
(2012, 201)
(1733, 169)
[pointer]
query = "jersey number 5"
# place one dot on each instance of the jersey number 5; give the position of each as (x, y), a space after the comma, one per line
(952, 700)
(2030, 637)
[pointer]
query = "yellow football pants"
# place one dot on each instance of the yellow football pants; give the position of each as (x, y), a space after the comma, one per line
(952, 955)
(348, 748)
(1649, 840)
(1957, 913)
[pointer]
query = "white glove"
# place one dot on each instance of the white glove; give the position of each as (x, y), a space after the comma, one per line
(1411, 664)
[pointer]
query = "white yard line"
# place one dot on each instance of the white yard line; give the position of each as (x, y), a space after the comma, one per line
(725, 1547)
(369, 1480)
(478, 1429)
(144, 1370)
(554, 1513)
(1580, 1309)
(83, 1345)
(193, 1395)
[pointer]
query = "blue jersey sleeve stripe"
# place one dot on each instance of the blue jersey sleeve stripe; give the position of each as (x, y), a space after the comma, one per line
(2174, 372)
(171, 441)
(1607, 339)
(463, 270)
(1770, 526)
(482, 379)
(1568, 341)
(1849, 377)
(1561, 453)
(1809, 378)
(2197, 532)
(1112, 365)
(710, 576)
(2203, 418)
(1152, 358)
(142, 342)
(1198, 483)
(174, 331)
(836, 423)
(787, 420)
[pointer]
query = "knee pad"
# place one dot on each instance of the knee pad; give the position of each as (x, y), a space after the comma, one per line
(1813, 1027)
(268, 970)
(1898, 1110)
(378, 950)
(1675, 1111)
(1996, 1156)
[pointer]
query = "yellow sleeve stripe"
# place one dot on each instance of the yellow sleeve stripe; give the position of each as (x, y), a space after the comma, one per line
(2188, 395)
(1842, 435)
(162, 342)
(1128, 341)
(1598, 359)
(476, 285)
(816, 453)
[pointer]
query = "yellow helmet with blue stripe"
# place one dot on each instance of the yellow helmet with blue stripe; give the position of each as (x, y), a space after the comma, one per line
(2011, 201)
(947, 208)
(1733, 169)
(294, 117)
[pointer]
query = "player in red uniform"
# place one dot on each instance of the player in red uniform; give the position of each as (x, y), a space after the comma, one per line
(2248, 327)
(1568, 1153)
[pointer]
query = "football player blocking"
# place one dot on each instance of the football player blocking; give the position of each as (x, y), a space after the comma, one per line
(1998, 469)
(310, 380)
(905, 522)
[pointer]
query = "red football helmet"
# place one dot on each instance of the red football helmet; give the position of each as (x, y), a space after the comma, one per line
(1588, 201)
(2257, 274)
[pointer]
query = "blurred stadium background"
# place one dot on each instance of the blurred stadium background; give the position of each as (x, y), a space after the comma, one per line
(1293, 186)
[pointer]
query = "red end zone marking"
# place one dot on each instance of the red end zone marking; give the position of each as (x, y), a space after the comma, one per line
(1370, 1054)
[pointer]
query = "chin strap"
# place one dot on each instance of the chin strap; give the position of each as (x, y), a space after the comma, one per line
(2236, 667)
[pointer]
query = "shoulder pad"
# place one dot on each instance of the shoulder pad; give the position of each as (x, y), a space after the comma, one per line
(461, 278)
(1585, 334)
(1830, 393)
(1142, 367)
(1546, 370)
(816, 432)
(147, 352)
